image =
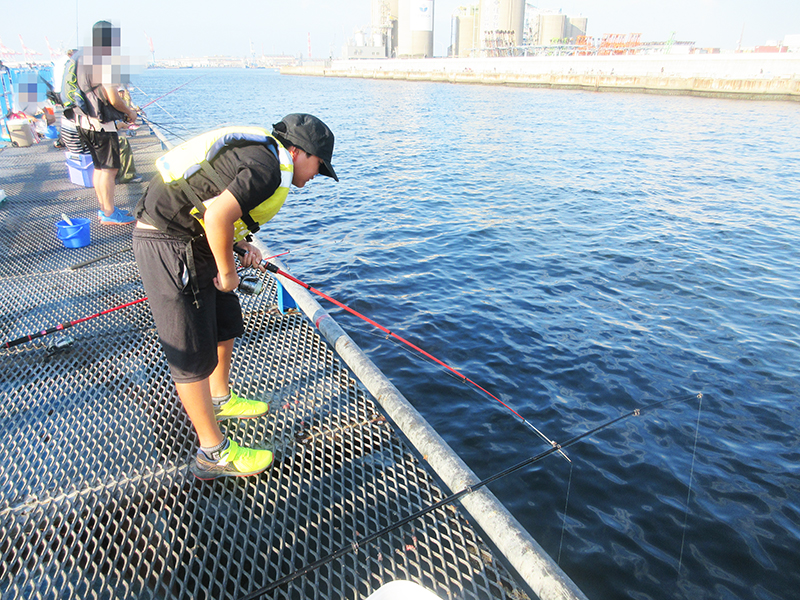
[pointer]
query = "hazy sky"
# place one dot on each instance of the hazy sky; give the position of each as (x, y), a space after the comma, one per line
(206, 28)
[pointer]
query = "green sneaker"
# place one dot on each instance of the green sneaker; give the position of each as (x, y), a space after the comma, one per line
(240, 408)
(235, 461)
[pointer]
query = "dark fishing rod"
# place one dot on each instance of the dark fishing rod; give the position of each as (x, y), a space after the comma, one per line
(99, 258)
(274, 269)
(157, 127)
(355, 545)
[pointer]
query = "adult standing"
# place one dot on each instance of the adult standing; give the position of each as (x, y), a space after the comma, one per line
(98, 107)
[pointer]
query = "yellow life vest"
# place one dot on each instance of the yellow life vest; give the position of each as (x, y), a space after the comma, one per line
(183, 161)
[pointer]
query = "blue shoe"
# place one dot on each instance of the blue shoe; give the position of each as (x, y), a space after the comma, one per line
(118, 217)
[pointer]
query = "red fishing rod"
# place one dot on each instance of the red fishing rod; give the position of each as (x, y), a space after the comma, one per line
(67, 325)
(168, 93)
(274, 269)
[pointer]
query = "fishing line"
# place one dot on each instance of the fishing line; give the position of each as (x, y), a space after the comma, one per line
(355, 545)
(410, 352)
(160, 126)
(564, 522)
(307, 246)
(274, 269)
(691, 476)
(473, 390)
(157, 104)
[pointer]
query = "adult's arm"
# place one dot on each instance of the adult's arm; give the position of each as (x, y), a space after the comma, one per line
(112, 94)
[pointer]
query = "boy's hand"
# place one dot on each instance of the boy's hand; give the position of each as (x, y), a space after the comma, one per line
(226, 282)
(252, 256)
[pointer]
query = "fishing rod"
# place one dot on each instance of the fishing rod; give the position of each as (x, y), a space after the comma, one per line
(67, 324)
(168, 93)
(99, 258)
(355, 545)
(156, 127)
(274, 269)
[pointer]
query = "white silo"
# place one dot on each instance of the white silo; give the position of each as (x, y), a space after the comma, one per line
(576, 27)
(502, 16)
(551, 27)
(466, 37)
(415, 20)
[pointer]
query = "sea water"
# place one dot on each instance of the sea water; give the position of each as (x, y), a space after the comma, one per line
(578, 255)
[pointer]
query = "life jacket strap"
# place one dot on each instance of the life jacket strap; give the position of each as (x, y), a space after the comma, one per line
(192, 195)
(212, 174)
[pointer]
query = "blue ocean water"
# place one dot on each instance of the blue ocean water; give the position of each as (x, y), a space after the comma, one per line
(579, 255)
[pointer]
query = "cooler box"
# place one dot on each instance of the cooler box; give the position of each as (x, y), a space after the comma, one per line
(80, 168)
(20, 132)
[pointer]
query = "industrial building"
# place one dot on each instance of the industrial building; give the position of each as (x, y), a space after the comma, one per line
(405, 28)
(492, 28)
(398, 28)
(507, 27)
(415, 29)
(544, 28)
(465, 32)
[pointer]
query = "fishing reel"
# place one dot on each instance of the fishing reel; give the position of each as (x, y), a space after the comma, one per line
(251, 285)
(59, 344)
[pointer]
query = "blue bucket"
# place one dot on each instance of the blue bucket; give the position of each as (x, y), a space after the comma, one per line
(75, 235)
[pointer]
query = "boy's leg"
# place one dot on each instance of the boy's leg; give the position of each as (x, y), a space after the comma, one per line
(219, 379)
(227, 405)
(196, 400)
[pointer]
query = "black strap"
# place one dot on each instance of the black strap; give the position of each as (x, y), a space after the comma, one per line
(214, 176)
(251, 224)
(189, 192)
(193, 272)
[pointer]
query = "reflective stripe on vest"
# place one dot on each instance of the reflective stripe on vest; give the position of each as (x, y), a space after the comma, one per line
(190, 157)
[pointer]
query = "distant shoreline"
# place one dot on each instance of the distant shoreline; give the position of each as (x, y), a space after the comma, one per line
(739, 76)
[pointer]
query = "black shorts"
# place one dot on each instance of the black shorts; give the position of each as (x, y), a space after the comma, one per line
(189, 335)
(103, 146)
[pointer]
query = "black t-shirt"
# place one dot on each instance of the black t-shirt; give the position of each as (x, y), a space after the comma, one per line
(251, 172)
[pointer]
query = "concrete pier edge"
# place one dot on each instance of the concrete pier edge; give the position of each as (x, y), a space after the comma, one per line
(731, 76)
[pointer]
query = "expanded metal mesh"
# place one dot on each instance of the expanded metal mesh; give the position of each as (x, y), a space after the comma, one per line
(39, 191)
(96, 498)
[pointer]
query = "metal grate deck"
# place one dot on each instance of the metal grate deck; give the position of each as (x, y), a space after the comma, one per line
(96, 500)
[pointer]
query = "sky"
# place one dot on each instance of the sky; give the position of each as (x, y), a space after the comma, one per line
(274, 27)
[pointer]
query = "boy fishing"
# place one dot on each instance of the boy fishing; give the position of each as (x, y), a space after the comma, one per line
(212, 193)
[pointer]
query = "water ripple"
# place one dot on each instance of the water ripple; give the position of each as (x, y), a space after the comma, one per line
(578, 255)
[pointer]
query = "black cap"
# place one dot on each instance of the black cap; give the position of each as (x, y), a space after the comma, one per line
(310, 134)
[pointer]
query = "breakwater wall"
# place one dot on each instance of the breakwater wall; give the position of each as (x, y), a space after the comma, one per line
(742, 76)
